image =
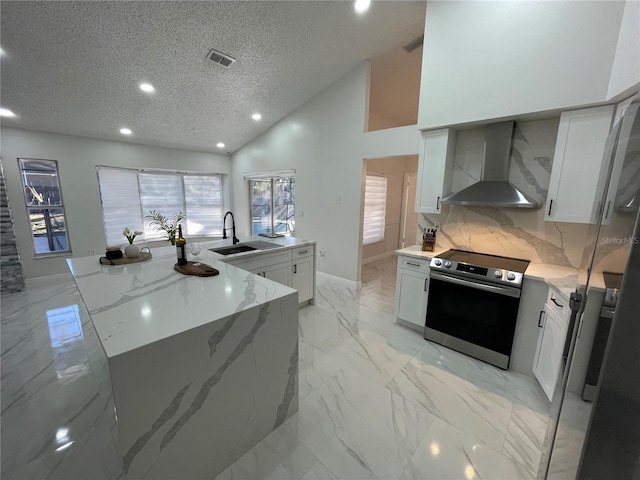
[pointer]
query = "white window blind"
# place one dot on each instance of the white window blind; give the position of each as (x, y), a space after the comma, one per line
(375, 200)
(162, 193)
(128, 196)
(120, 203)
(204, 208)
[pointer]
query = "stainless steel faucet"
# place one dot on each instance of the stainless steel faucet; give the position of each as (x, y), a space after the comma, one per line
(233, 227)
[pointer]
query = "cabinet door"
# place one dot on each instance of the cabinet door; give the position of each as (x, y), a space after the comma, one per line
(302, 278)
(278, 273)
(546, 364)
(411, 297)
(435, 168)
(576, 183)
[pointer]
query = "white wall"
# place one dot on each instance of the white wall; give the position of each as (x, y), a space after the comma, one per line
(493, 59)
(625, 74)
(77, 160)
(324, 141)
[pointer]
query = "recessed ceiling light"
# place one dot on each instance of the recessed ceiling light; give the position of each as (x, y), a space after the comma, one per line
(362, 5)
(220, 145)
(5, 112)
(147, 87)
(256, 116)
(126, 131)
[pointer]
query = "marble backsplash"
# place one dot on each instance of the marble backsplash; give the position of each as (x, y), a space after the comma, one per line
(512, 232)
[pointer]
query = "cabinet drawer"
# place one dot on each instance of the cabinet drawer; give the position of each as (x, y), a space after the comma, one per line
(301, 252)
(413, 263)
(558, 303)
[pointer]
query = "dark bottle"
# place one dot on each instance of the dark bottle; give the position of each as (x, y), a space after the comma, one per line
(181, 247)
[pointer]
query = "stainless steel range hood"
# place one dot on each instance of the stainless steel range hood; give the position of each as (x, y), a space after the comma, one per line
(494, 189)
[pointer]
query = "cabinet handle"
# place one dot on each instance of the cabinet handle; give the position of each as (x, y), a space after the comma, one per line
(414, 264)
(264, 275)
(303, 252)
(438, 204)
(606, 213)
(550, 204)
(540, 319)
(295, 268)
(426, 280)
(555, 301)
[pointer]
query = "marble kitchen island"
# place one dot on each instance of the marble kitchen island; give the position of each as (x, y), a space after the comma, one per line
(201, 368)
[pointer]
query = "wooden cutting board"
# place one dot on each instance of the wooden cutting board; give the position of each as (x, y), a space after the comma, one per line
(196, 268)
(144, 256)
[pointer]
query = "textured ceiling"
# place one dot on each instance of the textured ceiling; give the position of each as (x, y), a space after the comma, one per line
(75, 67)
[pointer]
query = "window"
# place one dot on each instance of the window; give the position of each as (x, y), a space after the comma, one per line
(128, 195)
(375, 200)
(273, 206)
(44, 206)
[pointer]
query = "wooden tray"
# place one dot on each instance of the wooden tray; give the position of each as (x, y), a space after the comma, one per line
(144, 256)
(196, 268)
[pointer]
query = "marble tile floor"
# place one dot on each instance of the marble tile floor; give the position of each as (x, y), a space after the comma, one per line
(377, 401)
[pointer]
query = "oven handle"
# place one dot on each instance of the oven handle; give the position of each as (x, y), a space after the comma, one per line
(509, 291)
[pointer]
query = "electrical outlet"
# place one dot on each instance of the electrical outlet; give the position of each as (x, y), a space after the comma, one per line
(92, 252)
(321, 254)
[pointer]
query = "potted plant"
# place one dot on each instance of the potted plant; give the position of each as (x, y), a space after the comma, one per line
(159, 222)
(131, 250)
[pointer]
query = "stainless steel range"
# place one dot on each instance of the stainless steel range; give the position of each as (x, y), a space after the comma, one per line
(473, 304)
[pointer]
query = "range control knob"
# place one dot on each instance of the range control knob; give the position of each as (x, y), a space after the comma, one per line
(511, 276)
(437, 262)
(497, 274)
(447, 264)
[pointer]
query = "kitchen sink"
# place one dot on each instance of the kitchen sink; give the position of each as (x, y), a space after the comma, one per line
(245, 247)
(239, 248)
(260, 245)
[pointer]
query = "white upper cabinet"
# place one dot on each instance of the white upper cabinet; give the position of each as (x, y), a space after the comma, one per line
(435, 168)
(577, 183)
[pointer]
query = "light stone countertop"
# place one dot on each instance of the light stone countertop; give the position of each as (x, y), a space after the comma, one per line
(141, 303)
(416, 251)
(563, 279)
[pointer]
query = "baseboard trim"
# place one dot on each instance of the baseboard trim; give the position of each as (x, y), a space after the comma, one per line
(326, 277)
(412, 326)
(390, 253)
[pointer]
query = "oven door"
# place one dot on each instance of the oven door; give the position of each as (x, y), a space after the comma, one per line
(478, 319)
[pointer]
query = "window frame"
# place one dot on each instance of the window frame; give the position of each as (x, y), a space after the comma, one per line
(60, 206)
(271, 178)
(154, 236)
(381, 237)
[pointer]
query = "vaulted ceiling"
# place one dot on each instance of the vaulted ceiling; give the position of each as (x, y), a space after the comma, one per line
(76, 67)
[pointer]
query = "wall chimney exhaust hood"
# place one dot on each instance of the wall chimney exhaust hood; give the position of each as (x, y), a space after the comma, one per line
(494, 189)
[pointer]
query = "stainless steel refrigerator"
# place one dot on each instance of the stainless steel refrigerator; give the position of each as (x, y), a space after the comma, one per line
(602, 439)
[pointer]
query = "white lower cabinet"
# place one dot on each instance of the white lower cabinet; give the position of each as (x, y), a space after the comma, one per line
(412, 287)
(294, 268)
(279, 272)
(303, 278)
(551, 340)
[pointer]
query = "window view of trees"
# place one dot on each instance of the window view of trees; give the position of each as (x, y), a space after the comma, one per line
(282, 192)
(44, 205)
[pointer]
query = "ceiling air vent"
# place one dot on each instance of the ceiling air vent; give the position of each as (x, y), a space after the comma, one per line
(220, 58)
(413, 44)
